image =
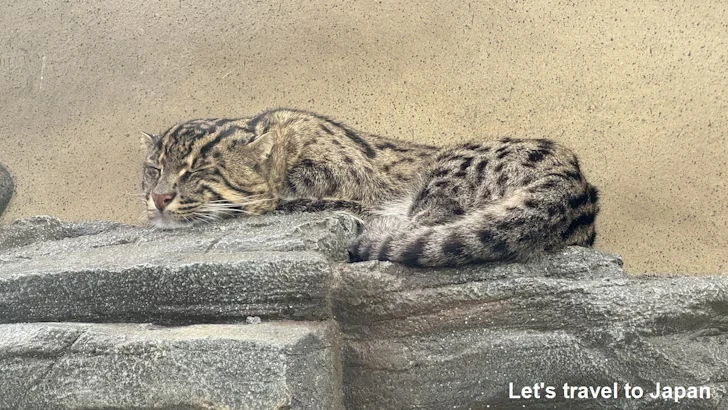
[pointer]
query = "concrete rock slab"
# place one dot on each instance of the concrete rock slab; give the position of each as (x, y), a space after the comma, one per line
(410, 338)
(271, 267)
(457, 338)
(120, 366)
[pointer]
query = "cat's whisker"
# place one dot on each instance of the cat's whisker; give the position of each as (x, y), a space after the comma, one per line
(241, 197)
(242, 201)
(202, 216)
(222, 205)
(226, 210)
(211, 214)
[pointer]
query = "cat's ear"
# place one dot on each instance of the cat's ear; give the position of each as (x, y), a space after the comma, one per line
(149, 140)
(262, 147)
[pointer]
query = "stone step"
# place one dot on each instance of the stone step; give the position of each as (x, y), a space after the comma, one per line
(275, 267)
(410, 338)
(458, 338)
(279, 366)
(44, 237)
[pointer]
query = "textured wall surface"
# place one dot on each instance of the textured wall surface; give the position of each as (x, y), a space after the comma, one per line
(638, 90)
(288, 326)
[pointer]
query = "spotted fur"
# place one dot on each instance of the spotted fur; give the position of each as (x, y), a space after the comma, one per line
(423, 206)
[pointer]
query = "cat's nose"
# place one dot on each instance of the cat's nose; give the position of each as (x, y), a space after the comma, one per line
(161, 201)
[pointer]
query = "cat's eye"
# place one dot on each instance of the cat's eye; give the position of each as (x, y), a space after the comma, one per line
(187, 173)
(198, 169)
(152, 170)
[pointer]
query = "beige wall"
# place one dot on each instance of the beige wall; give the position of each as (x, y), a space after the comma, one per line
(639, 90)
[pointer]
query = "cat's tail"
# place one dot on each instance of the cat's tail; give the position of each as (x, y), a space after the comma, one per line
(511, 229)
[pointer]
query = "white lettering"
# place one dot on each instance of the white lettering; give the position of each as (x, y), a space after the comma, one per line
(512, 395)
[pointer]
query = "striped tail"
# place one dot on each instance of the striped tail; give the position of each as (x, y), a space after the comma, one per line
(511, 229)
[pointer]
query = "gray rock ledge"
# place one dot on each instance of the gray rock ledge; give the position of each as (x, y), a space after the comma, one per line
(392, 338)
(276, 366)
(456, 338)
(274, 267)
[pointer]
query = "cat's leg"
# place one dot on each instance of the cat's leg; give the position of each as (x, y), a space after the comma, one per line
(319, 205)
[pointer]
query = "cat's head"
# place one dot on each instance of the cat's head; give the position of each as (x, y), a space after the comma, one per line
(204, 170)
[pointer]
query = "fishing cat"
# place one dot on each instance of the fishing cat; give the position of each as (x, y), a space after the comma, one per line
(501, 199)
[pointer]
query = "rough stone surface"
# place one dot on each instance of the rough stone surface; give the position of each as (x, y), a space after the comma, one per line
(409, 338)
(44, 228)
(271, 267)
(456, 338)
(7, 187)
(275, 366)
